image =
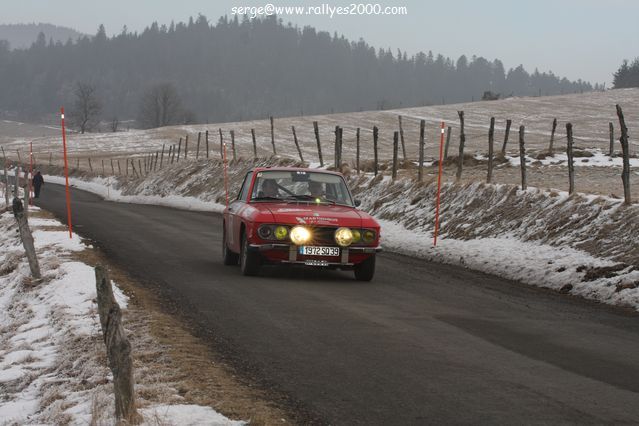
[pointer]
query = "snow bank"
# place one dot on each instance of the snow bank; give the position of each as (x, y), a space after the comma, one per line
(52, 358)
(582, 245)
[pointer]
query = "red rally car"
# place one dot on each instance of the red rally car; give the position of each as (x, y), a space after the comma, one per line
(299, 216)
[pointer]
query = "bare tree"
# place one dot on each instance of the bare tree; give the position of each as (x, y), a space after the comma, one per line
(161, 106)
(85, 114)
(115, 122)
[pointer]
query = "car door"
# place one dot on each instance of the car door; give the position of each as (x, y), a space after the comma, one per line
(234, 214)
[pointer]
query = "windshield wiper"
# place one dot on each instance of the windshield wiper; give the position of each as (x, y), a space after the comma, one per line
(310, 199)
(265, 198)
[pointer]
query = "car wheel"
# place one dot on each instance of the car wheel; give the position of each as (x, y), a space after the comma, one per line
(365, 271)
(249, 261)
(228, 257)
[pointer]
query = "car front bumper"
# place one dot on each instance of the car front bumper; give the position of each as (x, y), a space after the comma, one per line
(294, 256)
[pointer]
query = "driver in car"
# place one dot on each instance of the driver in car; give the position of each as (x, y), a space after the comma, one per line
(316, 189)
(269, 189)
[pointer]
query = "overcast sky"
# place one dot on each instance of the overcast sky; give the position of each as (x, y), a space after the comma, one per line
(584, 39)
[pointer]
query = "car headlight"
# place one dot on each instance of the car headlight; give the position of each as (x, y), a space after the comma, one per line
(343, 237)
(300, 235)
(368, 236)
(281, 232)
(264, 232)
(357, 235)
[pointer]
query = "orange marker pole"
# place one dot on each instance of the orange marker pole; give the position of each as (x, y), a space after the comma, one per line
(226, 179)
(66, 173)
(439, 182)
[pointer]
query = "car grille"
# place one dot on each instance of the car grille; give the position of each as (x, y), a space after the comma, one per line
(324, 235)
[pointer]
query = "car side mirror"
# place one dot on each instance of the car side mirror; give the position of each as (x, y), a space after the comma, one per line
(357, 202)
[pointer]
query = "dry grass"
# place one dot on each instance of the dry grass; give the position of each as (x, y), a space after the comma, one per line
(173, 366)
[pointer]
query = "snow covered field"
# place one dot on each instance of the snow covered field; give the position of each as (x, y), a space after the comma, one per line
(589, 113)
(52, 359)
(583, 245)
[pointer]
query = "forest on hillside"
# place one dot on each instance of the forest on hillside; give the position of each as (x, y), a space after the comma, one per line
(239, 69)
(22, 36)
(627, 75)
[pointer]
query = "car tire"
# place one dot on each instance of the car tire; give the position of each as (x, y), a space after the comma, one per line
(228, 257)
(249, 261)
(365, 271)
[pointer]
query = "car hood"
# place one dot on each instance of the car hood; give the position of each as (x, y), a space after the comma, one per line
(312, 214)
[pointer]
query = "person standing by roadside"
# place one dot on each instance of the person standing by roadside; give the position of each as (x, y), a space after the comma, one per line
(37, 182)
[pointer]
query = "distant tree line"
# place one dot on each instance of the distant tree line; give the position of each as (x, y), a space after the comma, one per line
(21, 36)
(627, 75)
(242, 69)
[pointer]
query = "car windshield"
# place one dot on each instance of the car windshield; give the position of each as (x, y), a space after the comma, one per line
(300, 186)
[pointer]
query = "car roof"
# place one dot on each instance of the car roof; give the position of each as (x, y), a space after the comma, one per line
(294, 169)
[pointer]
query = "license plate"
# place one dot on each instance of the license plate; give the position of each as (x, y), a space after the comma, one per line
(319, 251)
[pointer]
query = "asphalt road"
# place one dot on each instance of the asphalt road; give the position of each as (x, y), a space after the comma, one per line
(422, 344)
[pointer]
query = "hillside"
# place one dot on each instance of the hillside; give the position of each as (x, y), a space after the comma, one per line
(22, 36)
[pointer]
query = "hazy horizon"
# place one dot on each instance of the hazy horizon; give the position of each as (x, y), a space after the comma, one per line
(573, 39)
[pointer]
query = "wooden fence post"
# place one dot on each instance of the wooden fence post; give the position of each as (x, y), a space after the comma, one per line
(155, 164)
(233, 144)
(338, 148)
(119, 168)
(491, 141)
(401, 136)
(552, 136)
(197, 150)
(6, 187)
(126, 167)
(420, 170)
(522, 157)
(395, 149)
(112, 168)
(90, 166)
(462, 141)
(186, 146)
(375, 156)
(118, 349)
(341, 140)
(16, 183)
(206, 139)
(26, 237)
(221, 144)
(297, 145)
(571, 162)
(625, 174)
(449, 132)
(103, 169)
(179, 149)
(162, 156)
(26, 189)
(611, 130)
(133, 171)
(273, 136)
(319, 145)
(357, 150)
(140, 167)
(506, 134)
(254, 144)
